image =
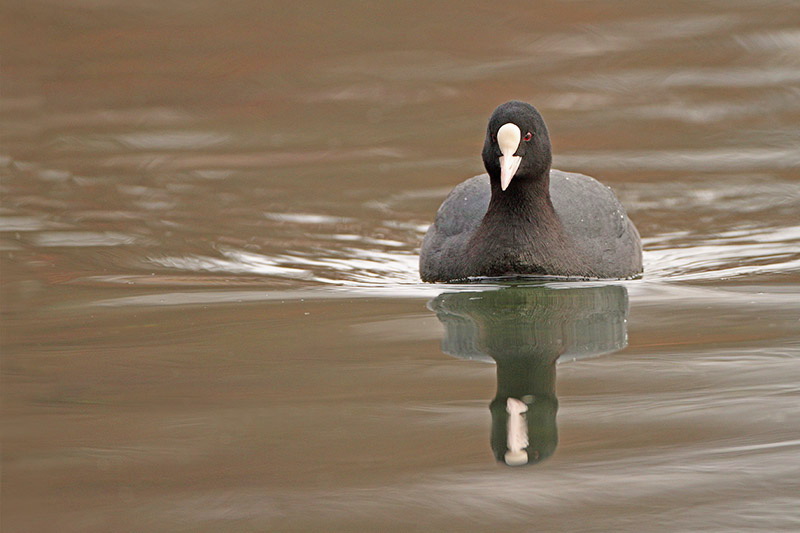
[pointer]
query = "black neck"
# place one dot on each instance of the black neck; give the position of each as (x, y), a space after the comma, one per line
(526, 200)
(521, 232)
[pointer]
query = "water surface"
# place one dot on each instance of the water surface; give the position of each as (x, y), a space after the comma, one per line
(212, 318)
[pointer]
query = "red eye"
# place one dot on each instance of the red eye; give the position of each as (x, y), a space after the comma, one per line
(528, 136)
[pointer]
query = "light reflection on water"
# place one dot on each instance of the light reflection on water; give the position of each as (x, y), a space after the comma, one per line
(382, 264)
(366, 257)
(386, 264)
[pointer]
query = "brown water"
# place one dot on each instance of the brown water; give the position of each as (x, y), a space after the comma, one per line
(212, 319)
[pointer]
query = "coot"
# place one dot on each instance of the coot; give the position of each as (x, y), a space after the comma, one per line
(524, 218)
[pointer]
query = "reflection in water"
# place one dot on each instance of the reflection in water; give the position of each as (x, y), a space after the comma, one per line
(525, 330)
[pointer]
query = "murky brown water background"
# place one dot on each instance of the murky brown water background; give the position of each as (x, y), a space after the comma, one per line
(212, 319)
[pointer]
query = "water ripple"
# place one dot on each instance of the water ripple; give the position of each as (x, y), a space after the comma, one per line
(719, 159)
(74, 239)
(363, 260)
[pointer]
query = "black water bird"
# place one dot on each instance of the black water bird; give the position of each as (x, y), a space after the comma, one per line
(524, 218)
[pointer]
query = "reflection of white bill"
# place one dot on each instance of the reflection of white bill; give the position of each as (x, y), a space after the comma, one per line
(517, 433)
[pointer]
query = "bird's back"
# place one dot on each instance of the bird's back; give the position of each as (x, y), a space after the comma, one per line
(444, 246)
(596, 224)
(594, 221)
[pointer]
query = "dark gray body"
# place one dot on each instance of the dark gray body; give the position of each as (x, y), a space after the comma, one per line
(600, 239)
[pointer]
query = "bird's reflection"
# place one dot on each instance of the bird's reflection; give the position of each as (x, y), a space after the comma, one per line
(525, 330)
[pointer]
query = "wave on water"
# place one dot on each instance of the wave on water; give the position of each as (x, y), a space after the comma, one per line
(745, 237)
(739, 231)
(367, 268)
